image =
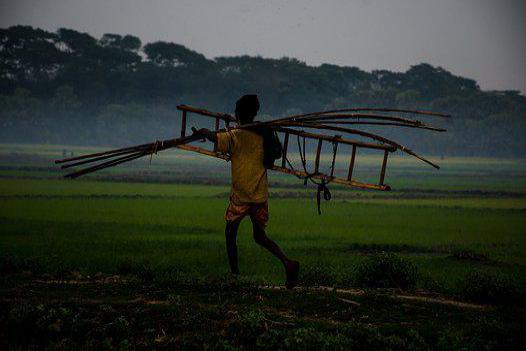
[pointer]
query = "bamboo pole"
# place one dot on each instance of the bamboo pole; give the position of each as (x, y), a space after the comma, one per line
(304, 121)
(364, 134)
(378, 109)
(422, 126)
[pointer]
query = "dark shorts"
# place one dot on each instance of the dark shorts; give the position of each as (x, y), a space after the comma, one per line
(258, 212)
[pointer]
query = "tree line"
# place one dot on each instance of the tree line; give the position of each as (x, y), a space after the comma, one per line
(67, 87)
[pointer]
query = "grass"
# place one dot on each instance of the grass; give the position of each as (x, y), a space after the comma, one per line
(461, 231)
(93, 226)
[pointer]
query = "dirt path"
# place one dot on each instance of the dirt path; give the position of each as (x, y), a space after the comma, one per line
(424, 297)
(436, 299)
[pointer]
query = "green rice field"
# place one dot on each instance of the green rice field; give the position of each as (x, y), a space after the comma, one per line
(466, 220)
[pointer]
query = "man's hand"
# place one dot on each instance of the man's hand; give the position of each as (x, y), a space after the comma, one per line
(206, 133)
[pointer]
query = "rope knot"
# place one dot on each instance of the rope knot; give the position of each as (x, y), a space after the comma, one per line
(155, 146)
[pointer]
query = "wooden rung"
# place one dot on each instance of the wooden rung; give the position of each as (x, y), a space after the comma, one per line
(351, 165)
(285, 147)
(334, 158)
(384, 165)
(318, 152)
(183, 124)
(217, 123)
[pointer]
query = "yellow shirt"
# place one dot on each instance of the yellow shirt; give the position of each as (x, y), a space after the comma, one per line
(249, 175)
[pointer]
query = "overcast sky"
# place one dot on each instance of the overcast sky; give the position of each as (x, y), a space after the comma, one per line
(479, 39)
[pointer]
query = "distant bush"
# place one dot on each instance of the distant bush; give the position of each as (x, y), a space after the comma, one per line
(386, 270)
(317, 276)
(493, 288)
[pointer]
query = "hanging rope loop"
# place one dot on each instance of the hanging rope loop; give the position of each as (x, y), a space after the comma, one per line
(322, 186)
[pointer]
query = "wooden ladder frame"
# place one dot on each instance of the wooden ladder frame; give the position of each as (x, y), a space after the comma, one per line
(228, 119)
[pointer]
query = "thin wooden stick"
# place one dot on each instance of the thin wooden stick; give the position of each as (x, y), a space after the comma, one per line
(100, 158)
(422, 126)
(129, 148)
(379, 109)
(138, 152)
(358, 116)
(106, 164)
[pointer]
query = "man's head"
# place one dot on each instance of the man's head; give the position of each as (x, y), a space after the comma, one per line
(247, 108)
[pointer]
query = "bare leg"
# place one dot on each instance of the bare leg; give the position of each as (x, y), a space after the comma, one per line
(231, 245)
(262, 239)
(292, 268)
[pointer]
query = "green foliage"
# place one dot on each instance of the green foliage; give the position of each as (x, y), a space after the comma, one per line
(350, 336)
(318, 275)
(172, 55)
(81, 88)
(493, 288)
(117, 325)
(484, 334)
(312, 339)
(386, 270)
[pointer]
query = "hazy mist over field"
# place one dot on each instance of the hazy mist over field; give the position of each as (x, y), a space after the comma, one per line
(112, 73)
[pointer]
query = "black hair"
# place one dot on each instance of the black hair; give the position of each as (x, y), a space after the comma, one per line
(247, 108)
